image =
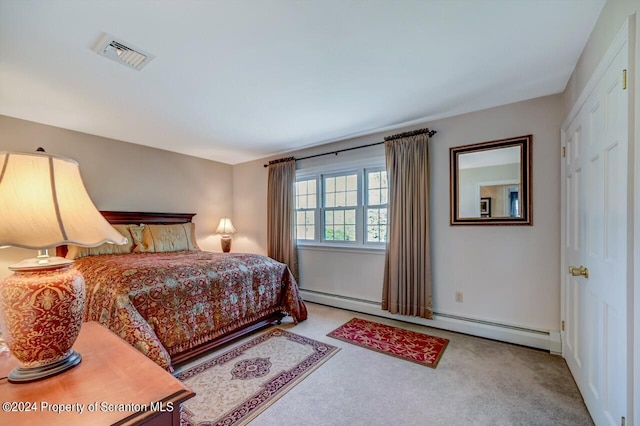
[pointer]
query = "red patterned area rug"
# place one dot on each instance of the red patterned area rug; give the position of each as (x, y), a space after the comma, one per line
(405, 344)
(236, 386)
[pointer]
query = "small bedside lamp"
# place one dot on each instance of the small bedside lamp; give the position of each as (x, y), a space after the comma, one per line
(44, 204)
(225, 227)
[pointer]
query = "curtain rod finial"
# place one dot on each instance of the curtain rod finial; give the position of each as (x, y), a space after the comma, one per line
(411, 133)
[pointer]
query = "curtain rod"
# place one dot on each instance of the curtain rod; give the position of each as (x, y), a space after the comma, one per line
(388, 138)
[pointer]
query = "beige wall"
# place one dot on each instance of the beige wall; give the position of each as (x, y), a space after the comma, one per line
(124, 176)
(250, 207)
(508, 274)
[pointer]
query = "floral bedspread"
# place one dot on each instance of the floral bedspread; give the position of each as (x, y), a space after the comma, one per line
(167, 303)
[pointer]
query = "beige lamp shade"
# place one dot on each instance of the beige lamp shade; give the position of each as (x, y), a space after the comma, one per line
(225, 227)
(43, 203)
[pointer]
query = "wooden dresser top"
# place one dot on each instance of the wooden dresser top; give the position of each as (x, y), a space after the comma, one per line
(116, 380)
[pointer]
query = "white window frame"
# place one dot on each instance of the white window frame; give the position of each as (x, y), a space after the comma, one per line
(357, 207)
(366, 205)
(314, 210)
(360, 168)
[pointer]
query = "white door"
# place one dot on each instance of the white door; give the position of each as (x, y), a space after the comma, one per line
(595, 237)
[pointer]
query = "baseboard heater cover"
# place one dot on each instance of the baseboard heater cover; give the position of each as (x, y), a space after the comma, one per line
(539, 339)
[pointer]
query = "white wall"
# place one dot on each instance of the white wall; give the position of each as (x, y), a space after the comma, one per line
(124, 176)
(508, 274)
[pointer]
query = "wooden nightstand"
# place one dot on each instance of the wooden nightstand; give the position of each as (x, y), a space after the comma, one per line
(114, 384)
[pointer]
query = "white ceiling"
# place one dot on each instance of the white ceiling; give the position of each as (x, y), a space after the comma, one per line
(238, 80)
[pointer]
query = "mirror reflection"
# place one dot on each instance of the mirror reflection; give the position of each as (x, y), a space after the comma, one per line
(490, 182)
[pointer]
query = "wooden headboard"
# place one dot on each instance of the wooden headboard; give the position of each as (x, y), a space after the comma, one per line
(123, 218)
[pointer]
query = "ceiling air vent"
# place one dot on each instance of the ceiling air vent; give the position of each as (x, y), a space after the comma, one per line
(122, 52)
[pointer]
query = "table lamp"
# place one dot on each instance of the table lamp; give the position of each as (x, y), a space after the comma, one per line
(43, 203)
(225, 227)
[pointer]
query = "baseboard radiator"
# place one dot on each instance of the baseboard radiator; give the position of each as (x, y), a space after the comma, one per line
(548, 340)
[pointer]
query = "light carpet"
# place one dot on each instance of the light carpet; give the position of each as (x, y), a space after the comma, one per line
(478, 382)
(236, 386)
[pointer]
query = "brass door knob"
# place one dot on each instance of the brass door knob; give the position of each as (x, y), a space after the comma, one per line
(579, 271)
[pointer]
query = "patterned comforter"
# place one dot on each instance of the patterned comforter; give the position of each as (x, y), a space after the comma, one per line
(168, 303)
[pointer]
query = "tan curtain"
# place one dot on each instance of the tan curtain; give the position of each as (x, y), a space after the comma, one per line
(407, 275)
(281, 237)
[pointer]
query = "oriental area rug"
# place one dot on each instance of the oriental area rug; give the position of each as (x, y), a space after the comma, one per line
(236, 386)
(405, 344)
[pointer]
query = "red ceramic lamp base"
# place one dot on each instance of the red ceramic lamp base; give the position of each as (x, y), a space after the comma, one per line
(32, 374)
(40, 316)
(226, 244)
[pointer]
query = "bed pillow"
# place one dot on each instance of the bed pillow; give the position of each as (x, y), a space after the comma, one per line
(164, 238)
(76, 252)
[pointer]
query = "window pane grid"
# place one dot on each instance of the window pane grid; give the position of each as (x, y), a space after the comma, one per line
(352, 207)
(305, 225)
(341, 191)
(305, 199)
(377, 225)
(340, 225)
(376, 212)
(306, 194)
(377, 188)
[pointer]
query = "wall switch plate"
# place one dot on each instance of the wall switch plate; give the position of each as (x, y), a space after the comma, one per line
(459, 296)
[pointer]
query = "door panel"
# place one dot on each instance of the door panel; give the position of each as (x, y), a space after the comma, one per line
(595, 236)
(573, 309)
(612, 203)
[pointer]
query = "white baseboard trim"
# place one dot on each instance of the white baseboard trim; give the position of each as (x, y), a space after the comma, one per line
(539, 339)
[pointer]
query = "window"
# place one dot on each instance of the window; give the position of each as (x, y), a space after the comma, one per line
(340, 201)
(348, 207)
(377, 194)
(305, 194)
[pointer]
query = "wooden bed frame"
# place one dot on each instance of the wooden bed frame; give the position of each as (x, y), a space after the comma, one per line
(123, 218)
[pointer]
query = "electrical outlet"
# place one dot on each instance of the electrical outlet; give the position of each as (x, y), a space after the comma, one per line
(459, 296)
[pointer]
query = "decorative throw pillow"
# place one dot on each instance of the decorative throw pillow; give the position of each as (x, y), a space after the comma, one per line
(76, 252)
(136, 234)
(164, 238)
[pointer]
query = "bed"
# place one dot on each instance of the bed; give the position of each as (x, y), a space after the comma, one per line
(175, 302)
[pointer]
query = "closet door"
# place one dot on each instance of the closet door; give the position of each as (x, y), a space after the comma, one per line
(595, 242)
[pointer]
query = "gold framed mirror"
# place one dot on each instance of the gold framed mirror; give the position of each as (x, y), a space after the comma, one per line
(491, 183)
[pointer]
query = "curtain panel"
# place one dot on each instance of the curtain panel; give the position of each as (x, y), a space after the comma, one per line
(281, 237)
(407, 288)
